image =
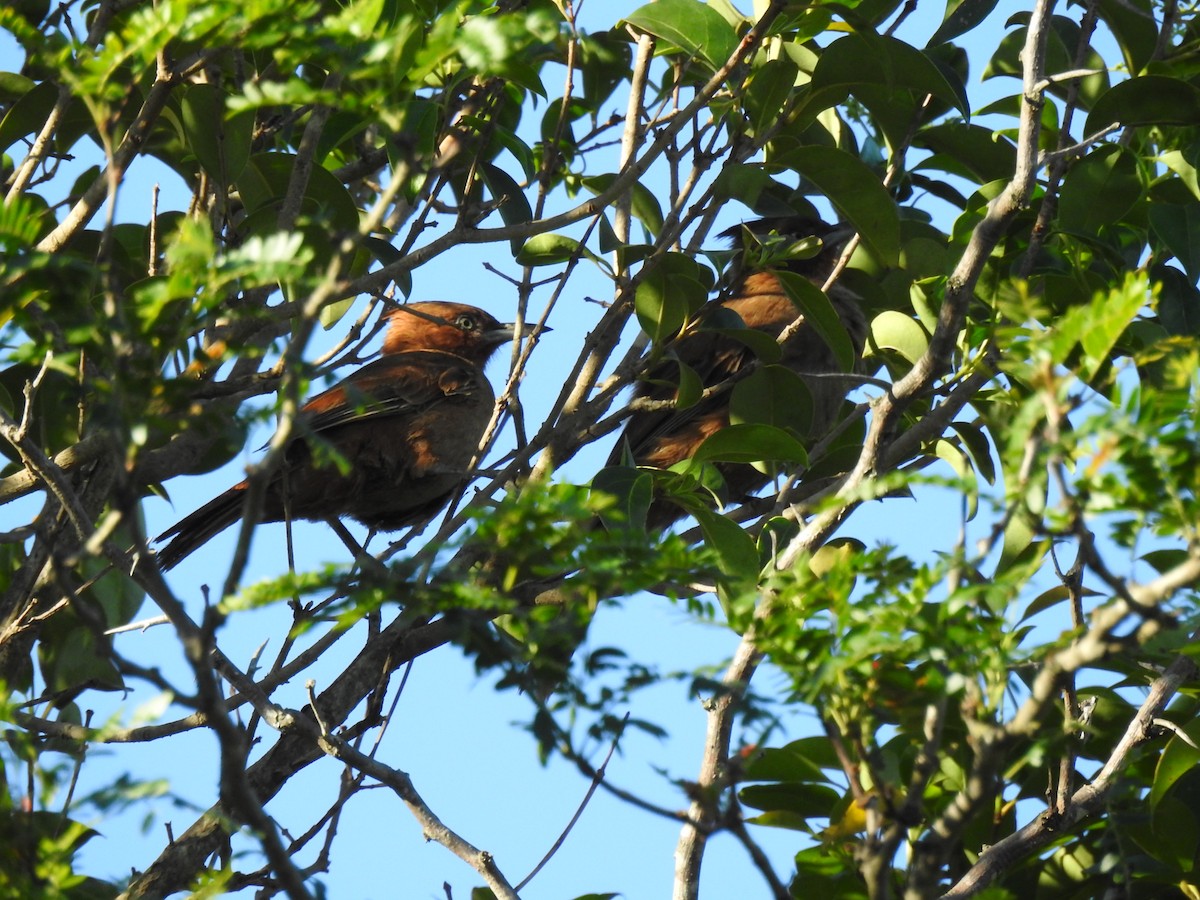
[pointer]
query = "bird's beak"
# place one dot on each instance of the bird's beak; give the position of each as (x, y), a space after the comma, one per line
(508, 331)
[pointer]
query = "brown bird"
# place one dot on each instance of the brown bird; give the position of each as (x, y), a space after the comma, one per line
(388, 445)
(662, 438)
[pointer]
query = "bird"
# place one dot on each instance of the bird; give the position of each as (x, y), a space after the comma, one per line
(661, 438)
(388, 445)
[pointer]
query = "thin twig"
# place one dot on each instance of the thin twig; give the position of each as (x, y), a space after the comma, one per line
(597, 778)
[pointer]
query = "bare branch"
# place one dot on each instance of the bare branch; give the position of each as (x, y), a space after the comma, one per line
(1086, 801)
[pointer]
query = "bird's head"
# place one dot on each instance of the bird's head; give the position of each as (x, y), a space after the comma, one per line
(457, 328)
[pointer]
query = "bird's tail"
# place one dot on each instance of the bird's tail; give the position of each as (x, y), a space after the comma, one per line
(193, 530)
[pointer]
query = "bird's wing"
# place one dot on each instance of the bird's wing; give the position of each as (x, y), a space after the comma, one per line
(397, 385)
(713, 358)
(758, 309)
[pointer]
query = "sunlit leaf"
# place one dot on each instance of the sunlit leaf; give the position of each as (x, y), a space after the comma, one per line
(892, 330)
(550, 249)
(694, 27)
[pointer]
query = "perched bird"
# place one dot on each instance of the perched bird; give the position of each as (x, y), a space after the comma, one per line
(388, 445)
(662, 438)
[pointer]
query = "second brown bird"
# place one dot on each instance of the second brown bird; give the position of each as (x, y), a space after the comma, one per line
(388, 445)
(662, 438)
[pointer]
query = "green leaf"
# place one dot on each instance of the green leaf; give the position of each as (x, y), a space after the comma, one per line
(1111, 315)
(736, 553)
(341, 127)
(726, 322)
(356, 18)
(811, 801)
(1132, 24)
(494, 44)
(744, 182)
(764, 347)
(694, 27)
(1019, 533)
(552, 249)
(691, 387)
(820, 314)
(221, 142)
(769, 88)
(285, 587)
(28, 114)
(1178, 302)
(72, 655)
(263, 184)
(749, 444)
(1178, 226)
(116, 595)
(1175, 833)
(1099, 190)
(784, 764)
(772, 395)
(660, 310)
(643, 204)
(973, 149)
(33, 12)
(1044, 601)
(1063, 38)
(670, 293)
(605, 63)
(892, 330)
(1177, 759)
(513, 205)
(632, 491)
(856, 191)
(331, 314)
(781, 819)
(862, 59)
(1147, 100)
(1181, 166)
(21, 222)
(954, 456)
(961, 17)
(14, 86)
(1051, 598)
(976, 443)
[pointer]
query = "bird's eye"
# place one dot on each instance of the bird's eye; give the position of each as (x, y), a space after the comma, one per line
(466, 323)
